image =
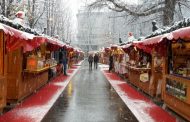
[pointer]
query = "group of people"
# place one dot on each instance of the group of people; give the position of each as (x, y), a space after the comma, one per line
(95, 59)
(92, 59)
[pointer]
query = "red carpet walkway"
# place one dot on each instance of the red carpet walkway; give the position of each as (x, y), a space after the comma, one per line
(142, 107)
(35, 107)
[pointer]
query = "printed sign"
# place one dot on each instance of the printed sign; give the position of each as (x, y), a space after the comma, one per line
(144, 77)
(176, 89)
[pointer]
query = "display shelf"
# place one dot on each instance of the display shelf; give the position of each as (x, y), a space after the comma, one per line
(139, 69)
(40, 70)
(180, 76)
(37, 71)
(53, 66)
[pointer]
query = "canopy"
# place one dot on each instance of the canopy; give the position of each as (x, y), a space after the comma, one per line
(16, 33)
(148, 44)
(114, 46)
(16, 38)
(183, 33)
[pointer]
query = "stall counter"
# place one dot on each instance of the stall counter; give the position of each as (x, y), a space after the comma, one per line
(176, 94)
(134, 77)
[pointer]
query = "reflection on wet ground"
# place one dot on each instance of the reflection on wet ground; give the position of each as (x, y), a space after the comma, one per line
(89, 98)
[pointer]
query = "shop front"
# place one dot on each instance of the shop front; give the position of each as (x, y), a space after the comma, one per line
(176, 86)
(28, 71)
(25, 63)
(145, 65)
(139, 68)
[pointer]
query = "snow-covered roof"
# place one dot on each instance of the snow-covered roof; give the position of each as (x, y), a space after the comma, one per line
(175, 26)
(17, 26)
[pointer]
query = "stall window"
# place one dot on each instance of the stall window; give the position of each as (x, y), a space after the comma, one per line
(179, 64)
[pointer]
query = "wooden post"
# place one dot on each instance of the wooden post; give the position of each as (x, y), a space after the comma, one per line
(3, 72)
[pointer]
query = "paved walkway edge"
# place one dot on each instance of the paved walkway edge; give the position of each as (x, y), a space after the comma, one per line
(34, 108)
(142, 107)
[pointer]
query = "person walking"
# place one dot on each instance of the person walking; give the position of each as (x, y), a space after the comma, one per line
(90, 60)
(110, 62)
(64, 61)
(96, 60)
(60, 65)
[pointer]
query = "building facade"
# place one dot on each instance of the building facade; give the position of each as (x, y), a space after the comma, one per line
(94, 30)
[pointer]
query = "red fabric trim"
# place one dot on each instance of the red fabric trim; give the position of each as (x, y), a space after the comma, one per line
(183, 33)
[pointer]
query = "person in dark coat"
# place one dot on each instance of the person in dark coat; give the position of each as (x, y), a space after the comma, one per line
(60, 64)
(110, 63)
(64, 60)
(96, 60)
(90, 60)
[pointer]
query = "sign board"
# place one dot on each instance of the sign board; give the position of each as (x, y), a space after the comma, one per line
(144, 77)
(176, 89)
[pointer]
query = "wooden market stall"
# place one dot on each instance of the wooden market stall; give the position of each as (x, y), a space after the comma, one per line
(28, 71)
(176, 86)
(125, 61)
(105, 55)
(145, 65)
(70, 56)
(27, 60)
(139, 68)
(3, 71)
(119, 59)
(81, 55)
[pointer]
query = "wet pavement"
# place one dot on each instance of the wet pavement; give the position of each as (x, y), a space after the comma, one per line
(89, 98)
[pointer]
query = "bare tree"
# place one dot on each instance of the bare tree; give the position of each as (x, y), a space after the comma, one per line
(2, 4)
(34, 13)
(54, 15)
(59, 19)
(147, 8)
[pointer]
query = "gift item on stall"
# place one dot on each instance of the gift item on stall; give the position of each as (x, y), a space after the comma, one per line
(32, 62)
(139, 59)
(50, 62)
(179, 63)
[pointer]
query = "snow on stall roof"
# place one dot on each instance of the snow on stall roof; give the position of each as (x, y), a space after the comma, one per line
(175, 26)
(17, 26)
(53, 40)
(9, 27)
(12, 31)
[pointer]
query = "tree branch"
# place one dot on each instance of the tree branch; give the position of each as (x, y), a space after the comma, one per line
(39, 16)
(120, 7)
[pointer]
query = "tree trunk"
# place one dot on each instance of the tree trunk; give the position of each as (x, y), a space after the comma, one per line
(3, 8)
(31, 24)
(8, 11)
(48, 16)
(168, 13)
